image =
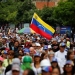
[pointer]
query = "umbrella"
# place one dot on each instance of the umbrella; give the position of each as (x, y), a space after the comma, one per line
(28, 30)
(21, 31)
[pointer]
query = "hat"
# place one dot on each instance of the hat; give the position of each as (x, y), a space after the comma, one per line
(47, 69)
(51, 52)
(16, 67)
(38, 38)
(5, 37)
(28, 40)
(45, 47)
(62, 44)
(26, 50)
(37, 54)
(45, 62)
(37, 44)
(1, 59)
(16, 61)
(27, 59)
(53, 39)
(49, 46)
(69, 62)
(4, 52)
(33, 39)
(54, 60)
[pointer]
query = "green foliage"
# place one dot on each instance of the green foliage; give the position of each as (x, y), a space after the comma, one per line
(24, 11)
(21, 11)
(65, 13)
(16, 11)
(8, 11)
(47, 15)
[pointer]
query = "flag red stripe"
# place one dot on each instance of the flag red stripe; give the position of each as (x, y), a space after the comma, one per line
(39, 31)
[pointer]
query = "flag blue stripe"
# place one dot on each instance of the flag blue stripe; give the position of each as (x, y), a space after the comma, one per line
(41, 27)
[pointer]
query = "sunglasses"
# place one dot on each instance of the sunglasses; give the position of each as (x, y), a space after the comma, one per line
(68, 65)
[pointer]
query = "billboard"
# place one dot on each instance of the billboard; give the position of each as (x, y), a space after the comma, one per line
(65, 30)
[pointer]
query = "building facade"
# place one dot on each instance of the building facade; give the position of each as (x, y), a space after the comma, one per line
(48, 3)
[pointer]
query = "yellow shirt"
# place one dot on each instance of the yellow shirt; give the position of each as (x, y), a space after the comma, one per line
(6, 62)
(68, 44)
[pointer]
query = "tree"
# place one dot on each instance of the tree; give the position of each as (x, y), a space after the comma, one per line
(47, 16)
(65, 12)
(24, 10)
(8, 11)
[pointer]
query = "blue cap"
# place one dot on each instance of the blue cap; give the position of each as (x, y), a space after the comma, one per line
(33, 39)
(37, 54)
(69, 62)
(47, 69)
(62, 44)
(54, 60)
(4, 52)
(45, 47)
(26, 50)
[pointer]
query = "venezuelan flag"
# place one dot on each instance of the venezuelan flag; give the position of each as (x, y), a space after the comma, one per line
(40, 27)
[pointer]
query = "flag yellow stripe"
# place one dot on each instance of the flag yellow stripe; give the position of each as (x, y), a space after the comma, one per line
(36, 17)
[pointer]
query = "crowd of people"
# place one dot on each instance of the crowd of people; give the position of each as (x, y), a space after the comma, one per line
(32, 54)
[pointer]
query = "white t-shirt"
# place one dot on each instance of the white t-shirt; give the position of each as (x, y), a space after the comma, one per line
(37, 71)
(62, 57)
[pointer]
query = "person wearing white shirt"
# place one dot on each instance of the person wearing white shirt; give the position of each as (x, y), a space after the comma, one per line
(61, 54)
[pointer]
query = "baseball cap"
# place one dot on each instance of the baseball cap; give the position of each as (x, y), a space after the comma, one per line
(16, 67)
(16, 61)
(26, 50)
(47, 69)
(38, 38)
(37, 44)
(62, 44)
(37, 54)
(54, 60)
(4, 52)
(45, 62)
(54, 39)
(45, 47)
(69, 62)
(49, 46)
(33, 39)
(51, 52)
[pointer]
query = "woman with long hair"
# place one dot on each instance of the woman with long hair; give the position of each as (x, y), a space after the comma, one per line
(44, 56)
(54, 63)
(68, 68)
(36, 65)
(71, 56)
(56, 71)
